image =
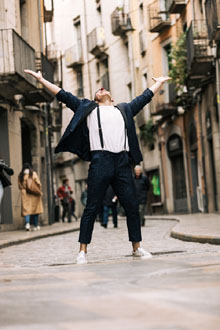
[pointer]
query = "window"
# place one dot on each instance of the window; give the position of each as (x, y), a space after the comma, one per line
(80, 90)
(77, 25)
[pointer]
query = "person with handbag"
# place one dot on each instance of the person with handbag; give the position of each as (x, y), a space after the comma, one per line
(4, 182)
(31, 195)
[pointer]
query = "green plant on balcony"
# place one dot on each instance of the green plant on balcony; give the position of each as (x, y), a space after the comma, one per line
(178, 66)
(147, 134)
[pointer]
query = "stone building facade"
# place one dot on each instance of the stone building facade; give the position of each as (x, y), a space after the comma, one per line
(185, 152)
(25, 106)
(94, 38)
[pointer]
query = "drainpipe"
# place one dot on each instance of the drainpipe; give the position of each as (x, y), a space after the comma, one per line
(218, 87)
(86, 50)
(205, 197)
(40, 18)
(131, 57)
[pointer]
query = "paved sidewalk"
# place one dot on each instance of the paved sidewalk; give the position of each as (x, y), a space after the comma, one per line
(198, 227)
(195, 227)
(9, 238)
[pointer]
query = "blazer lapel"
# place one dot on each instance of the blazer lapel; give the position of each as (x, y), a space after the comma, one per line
(87, 111)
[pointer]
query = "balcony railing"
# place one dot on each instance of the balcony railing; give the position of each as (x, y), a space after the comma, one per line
(96, 41)
(42, 94)
(163, 103)
(159, 18)
(119, 22)
(199, 55)
(15, 56)
(175, 6)
(212, 9)
(73, 56)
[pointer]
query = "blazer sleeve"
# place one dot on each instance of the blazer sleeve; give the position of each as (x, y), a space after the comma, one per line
(72, 102)
(140, 101)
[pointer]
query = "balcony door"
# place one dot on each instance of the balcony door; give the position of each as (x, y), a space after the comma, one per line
(175, 152)
(6, 205)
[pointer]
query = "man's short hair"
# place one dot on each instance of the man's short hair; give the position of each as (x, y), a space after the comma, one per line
(138, 167)
(65, 180)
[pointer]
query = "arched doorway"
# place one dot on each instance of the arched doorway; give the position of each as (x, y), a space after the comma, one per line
(175, 153)
(194, 166)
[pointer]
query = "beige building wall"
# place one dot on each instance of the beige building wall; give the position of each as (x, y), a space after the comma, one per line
(62, 33)
(27, 21)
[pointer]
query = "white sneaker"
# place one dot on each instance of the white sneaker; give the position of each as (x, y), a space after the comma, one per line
(38, 227)
(141, 253)
(27, 226)
(81, 258)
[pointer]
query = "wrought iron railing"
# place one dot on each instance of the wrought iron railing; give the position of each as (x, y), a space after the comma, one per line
(158, 16)
(212, 8)
(15, 56)
(197, 41)
(119, 22)
(45, 66)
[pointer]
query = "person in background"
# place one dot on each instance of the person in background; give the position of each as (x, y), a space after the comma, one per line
(110, 204)
(64, 193)
(4, 182)
(31, 202)
(142, 185)
(84, 196)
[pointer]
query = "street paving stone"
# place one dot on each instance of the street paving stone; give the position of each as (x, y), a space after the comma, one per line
(109, 244)
(41, 287)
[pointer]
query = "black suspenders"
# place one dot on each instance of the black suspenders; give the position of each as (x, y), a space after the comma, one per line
(100, 130)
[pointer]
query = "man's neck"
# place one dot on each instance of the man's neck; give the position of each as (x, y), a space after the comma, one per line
(106, 102)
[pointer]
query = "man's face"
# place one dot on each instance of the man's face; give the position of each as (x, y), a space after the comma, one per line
(102, 94)
(137, 172)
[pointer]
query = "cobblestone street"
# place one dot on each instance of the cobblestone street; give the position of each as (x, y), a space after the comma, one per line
(42, 286)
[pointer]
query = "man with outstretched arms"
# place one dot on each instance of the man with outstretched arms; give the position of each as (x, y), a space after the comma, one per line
(104, 134)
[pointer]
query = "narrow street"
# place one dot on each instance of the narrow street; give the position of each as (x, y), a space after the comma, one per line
(41, 287)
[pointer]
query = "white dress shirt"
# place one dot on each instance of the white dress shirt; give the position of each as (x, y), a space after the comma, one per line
(113, 129)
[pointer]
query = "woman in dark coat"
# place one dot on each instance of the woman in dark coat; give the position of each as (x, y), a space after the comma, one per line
(4, 182)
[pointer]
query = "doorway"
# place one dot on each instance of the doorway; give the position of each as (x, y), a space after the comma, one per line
(6, 204)
(175, 153)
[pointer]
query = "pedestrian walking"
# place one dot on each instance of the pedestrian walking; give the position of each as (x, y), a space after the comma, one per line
(31, 196)
(105, 135)
(64, 193)
(4, 182)
(142, 184)
(110, 205)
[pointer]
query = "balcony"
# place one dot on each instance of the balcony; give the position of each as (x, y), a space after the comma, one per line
(96, 41)
(175, 6)
(73, 56)
(212, 9)
(163, 103)
(53, 54)
(15, 56)
(159, 18)
(199, 55)
(121, 23)
(42, 94)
